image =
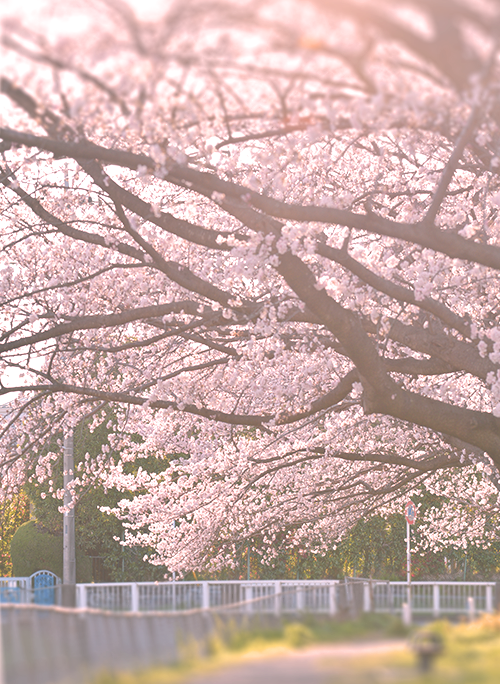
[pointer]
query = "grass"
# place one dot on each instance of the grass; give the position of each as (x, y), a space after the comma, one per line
(313, 630)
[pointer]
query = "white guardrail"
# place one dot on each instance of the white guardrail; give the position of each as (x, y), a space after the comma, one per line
(291, 596)
(329, 597)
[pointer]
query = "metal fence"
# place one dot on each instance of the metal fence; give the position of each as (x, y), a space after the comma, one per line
(283, 597)
(434, 598)
(315, 596)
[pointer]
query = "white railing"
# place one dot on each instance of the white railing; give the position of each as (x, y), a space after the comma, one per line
(275, 596)
(433, 598)
(290, 596)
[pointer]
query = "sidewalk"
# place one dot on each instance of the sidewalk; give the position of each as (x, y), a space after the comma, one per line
(314, 665)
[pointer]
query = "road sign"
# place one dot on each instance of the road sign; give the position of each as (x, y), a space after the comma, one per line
(410, 512)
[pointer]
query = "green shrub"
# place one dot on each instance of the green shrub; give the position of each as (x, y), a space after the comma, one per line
(33, 548)
(297, 634)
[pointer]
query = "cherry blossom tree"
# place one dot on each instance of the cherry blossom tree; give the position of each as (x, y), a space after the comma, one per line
(266, 237)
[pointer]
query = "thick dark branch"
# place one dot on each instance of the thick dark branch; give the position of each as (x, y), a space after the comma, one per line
(429, 464)
(415, 367)
(64, 227)
(95, 323)
(447, 242)
(381, 393)
(458, 355)
(451, 165)
(324, 403)
(327, 401)
(78, 150)
(398, 292)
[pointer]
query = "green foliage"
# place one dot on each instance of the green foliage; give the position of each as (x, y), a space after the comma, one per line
(35, 548)
(13, 513)
(98, 534)
(310, 629)
(297, 635)
(470, 654)
(374, 547)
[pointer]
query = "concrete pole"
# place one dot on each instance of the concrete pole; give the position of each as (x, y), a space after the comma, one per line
(69, 562)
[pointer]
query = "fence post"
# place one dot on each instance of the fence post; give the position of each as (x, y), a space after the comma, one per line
(205, 595)
(249, 597)
(406, 614)
(277, 598)
(81, 596)
(436, 603)
(134, 595)
(489, 599)
(300, 598)
(367, 604)
(332, 598)
(471, 608)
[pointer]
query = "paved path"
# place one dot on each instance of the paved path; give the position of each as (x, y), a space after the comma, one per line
(315, 665)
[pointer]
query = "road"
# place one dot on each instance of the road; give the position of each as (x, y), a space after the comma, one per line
(315, 665)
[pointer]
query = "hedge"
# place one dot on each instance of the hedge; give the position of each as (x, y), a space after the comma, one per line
(33, 548)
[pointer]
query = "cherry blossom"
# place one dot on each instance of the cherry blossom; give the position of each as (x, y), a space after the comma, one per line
(265, 237)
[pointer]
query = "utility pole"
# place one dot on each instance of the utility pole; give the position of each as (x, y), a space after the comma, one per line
(69, 561)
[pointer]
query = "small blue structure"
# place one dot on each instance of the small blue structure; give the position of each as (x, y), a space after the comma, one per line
(43, 584)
